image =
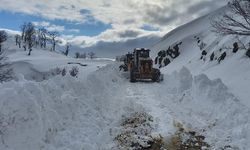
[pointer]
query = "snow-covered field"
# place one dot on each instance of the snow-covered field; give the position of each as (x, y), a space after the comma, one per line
(85, 112)
(43, 110)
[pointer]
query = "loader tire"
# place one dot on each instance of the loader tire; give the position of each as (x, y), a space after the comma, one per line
(156, 76)
(132, 76)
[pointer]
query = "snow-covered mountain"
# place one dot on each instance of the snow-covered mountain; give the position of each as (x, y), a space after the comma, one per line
(233, 71)
(117, 48)
(46, 108)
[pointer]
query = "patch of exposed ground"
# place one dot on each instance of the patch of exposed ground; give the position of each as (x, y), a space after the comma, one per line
(187, 140)
(136, 133)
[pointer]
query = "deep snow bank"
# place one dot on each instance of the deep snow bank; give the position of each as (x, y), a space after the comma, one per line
(71, 114)
(59, 113)
(208, 107)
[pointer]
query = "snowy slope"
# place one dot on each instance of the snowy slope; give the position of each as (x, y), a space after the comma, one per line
(43, 110)
(192, 28)
(233, 71)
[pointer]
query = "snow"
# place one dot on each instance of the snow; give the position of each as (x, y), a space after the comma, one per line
(76, 113)
(44, 110)
(205, 102)
(233, 71)
(10, 32)
(59, 112)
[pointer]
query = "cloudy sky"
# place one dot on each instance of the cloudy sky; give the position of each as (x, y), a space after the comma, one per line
(86, 22)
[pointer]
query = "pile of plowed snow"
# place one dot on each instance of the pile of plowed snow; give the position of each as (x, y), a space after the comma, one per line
(72, 113)
(208, 107)
(59, 113)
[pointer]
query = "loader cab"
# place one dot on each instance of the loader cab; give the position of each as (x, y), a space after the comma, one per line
(129, 57)
(140, 54)
(145, 65)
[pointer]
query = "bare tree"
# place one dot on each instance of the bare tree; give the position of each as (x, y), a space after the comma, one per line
(23, 29)
(3, 38)
(30, 36)
(91, 55)
(236, 21)
(67, 49)
(18, 40)
(84, 55)
(53, 36)
(77, 55)
(42, 37)
(36, 39)
(5, 71)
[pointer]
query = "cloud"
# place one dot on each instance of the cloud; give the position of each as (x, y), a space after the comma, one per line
(55, 28)
(54, 9)
(110, 35)
(164, 14)
(41, 24)
(74, 30)
(204, 7)
(128, 33)
(52, 27)
(133, 13)
(49, 27)
(129, 19)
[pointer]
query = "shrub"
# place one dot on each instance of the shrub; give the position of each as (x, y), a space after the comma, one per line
(64, 72)
(136, 133)
(58, 71)
(186, 140)
(74, 71)
(5, 70)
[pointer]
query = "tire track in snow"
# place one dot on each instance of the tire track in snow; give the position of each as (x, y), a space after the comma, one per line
(143, 95)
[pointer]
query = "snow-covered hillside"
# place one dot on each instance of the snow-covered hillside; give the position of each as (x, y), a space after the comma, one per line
(42, 109)
(234, 71)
